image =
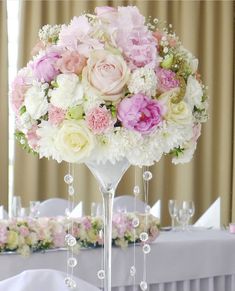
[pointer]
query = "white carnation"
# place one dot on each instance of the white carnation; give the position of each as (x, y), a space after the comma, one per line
(143, 81)
(48, 134)
(194, 93)
(36, 101)
(68, 93)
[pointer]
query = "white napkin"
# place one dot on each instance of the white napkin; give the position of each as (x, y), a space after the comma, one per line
(77, 211)
(156, 209)
(211, 218)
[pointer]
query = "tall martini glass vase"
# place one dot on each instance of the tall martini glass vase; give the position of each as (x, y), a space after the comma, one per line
(108, 176)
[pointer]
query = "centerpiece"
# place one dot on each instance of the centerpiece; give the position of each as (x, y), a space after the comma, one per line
(110, 90)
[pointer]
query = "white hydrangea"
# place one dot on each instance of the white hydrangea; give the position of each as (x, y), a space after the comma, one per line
(36, 101)
(143, 81)
(47, 134)
(68, 93)
(187, 155)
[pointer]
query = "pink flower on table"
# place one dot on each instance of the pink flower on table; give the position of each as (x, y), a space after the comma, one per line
(56, 115)
(58, 239)
(71, 62)
(24, 231)
(32, 137)
(86, 223)
(44, 68)
(166, 80)
(99, 120)
(3, 234)
(140, 113)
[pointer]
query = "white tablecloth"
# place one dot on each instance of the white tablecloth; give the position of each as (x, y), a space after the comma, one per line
(199, 260)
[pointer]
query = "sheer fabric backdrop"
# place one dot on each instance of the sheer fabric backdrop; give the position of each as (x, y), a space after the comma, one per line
(3, 105)
(205, 28)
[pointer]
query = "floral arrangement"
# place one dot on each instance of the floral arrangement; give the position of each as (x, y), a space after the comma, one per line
(30, 235)
(108, 86)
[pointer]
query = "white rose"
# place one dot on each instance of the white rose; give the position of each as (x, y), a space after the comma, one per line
(74, 141)
(179, 113)
(69, 91)
(36, 102)
(194, 93)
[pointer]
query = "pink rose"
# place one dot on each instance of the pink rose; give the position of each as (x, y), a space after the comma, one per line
(99, 120)
(56, 115)
(71, 62)
(32, 137)
(140, 113)
(45, 67)
(106, 74)
(139, 48)
(166, 80)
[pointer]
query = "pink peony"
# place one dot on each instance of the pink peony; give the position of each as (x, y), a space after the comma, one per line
(45, 67)
(140, 113)
(55, 115)
(166, 80)
(32, 137)
(139, 48)
(99, 120)
(71, 62)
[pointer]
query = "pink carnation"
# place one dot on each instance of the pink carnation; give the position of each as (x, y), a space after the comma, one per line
(140, 113)
(56, 115)
(166, 80)
(139, 48)
(32, 137)
(45, 67)
(71, 62)
(99, 120)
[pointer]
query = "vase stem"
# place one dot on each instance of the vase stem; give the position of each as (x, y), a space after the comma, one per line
(107, 196)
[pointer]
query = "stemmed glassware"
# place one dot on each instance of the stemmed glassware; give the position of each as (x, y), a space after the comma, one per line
(34, 208)
(16, 206)
(185, 212)
(173, 211)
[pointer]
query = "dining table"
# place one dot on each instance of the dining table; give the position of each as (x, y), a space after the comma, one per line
(198, 259)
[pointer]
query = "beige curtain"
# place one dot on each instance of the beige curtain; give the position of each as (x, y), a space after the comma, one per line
(205, 28)
(3, 106)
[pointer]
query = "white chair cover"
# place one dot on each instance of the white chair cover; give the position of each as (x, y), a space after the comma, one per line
(53, 207)
(211, 218)
(127, 203)
(156, 209)
(42, 280)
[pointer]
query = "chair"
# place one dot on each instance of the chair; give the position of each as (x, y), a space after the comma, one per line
(211, 217)
(42, 279)
(127, 203)
(53, 207)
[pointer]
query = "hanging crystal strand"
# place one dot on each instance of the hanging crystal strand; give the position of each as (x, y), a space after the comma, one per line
(135, 223)
(101, 273)
(69, 238)
(147, 176)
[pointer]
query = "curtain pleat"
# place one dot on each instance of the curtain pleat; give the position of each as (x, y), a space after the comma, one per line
(3, 106)
(206, 29)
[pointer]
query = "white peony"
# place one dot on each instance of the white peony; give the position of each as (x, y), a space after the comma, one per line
(74, 141)
(143, 81)
(68, 93)
(36, 101)
(47, 134)
(194, 93)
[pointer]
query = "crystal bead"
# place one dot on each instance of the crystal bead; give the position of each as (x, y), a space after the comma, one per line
(68, 179)
(72, 262)
(71, 241)
(67, 236)
(132, 271)
(146, 249)
(136, 190)
(147, 175)
(101, 274)
(135, 222)
(71, 190)
(144, 236)
(69, 282)
(147, 209)
(143, 285)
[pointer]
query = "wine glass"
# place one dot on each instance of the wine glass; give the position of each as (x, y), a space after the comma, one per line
(34, 208)
(173, 211)
(16, 206)
(186, 211)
